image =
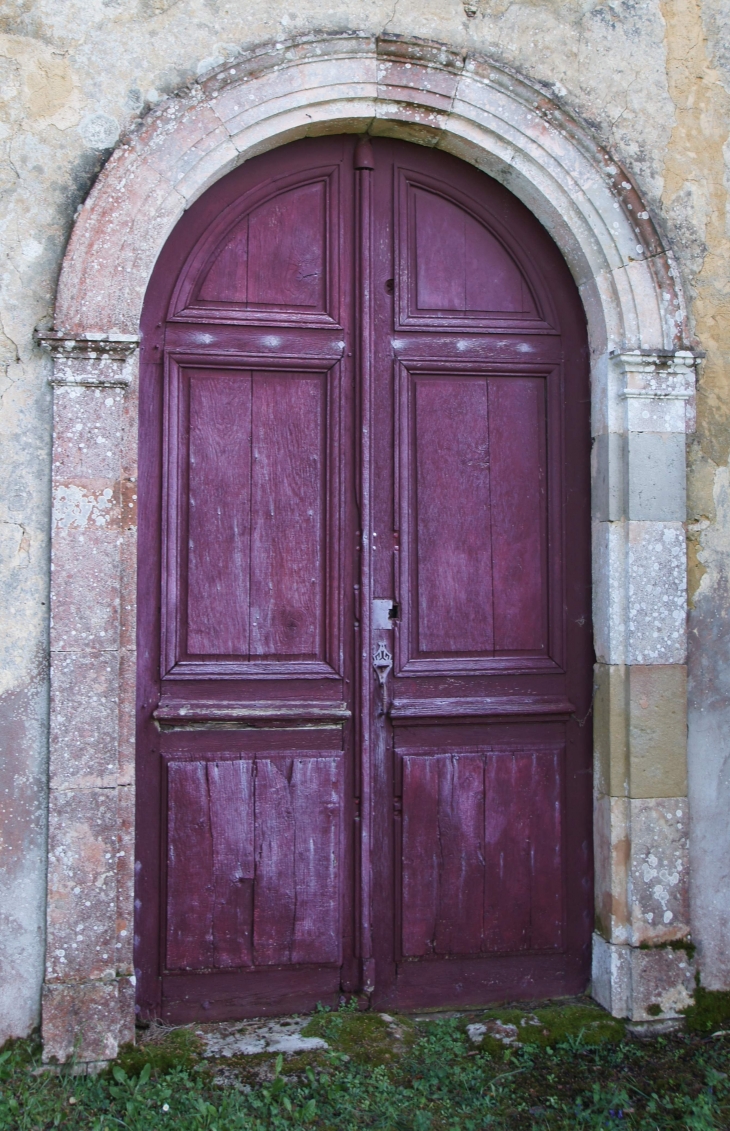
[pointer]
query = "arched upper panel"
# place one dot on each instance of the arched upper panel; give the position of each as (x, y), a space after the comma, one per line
(267, 257)
(465, 104)
(461, 267)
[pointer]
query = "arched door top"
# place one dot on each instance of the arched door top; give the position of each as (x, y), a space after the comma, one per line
(465, 104)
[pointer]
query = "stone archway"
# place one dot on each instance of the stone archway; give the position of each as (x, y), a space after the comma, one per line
(642, 393)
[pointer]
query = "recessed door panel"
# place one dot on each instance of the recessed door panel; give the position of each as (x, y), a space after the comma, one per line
(253, 859)
(482, 866)
(277, 256)
(248, 517)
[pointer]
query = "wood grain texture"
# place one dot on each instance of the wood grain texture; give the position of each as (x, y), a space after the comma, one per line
(253, 863)
(363, 375)
(452, 516)
(459, 265)
(219, 530)
(288, 516)
(482, 852)
(277, 255)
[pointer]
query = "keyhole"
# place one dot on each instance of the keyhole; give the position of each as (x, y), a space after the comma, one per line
(390, 286)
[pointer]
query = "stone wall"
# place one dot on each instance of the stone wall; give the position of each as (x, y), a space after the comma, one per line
(652, 80)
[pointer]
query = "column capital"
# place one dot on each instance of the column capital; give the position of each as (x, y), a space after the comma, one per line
(90, 359)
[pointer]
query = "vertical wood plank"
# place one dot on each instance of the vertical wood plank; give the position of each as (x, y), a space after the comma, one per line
(227, 275)
(507, 882)
(460, 831)
(288, 516)
(190, 888)
(287, 249)
(219, 513)
(453, 516)
(546, 841)
(274, 909)
(518, 500)
(316, 803)
(230, 786)
(421, 854)
(438, 243)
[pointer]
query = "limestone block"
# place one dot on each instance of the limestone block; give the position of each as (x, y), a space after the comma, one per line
(86, 617)
(127, 714)
(657, 730)
(612, 854)
(639, 475)
(657, 593)
(607, 477)
(650, 984)
(610, 730)
(82, 874)
(658, 889)
(640, 730)
(84, 719)
(86, 433)
(87, 1022)
(656, 476)
(125, 883)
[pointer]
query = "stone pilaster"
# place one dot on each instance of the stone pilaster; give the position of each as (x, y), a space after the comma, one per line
(88, 999)
(641, 820)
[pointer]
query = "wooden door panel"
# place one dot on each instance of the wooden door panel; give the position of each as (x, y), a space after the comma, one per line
(277, 256)
(254, 861)
(482, 861)
(457, 264)
(475, 579)
(518, 497)
(288, 516)
(251, 520)
(219, 516)
(269, 257)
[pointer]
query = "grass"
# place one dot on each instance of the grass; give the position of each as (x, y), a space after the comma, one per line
(568, 1066)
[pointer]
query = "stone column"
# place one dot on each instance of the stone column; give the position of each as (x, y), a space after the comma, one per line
(88, 997)
(641, 967)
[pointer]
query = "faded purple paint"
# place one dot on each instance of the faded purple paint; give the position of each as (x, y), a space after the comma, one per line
(462, 787)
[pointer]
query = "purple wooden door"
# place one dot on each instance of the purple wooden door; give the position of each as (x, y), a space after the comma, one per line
(364, 657)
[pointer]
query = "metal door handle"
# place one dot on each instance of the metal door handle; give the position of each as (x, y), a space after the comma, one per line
(382, 662)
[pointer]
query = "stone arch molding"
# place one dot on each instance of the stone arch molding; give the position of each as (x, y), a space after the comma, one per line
(642, 394)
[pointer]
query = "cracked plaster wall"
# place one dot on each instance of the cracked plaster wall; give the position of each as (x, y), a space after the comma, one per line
(653, 81)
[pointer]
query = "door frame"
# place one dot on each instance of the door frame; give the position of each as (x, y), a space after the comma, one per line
(643, 363)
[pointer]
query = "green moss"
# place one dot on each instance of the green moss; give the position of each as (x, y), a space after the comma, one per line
(177, 1048)
(577, 1023)
(685, 945)
(709, 1012)
(365, 1037)
(654, 1010)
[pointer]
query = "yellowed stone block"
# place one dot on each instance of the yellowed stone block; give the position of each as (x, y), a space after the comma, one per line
(640, 730)
(658, 731)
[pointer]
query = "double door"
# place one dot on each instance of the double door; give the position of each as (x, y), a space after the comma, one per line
(364, 645)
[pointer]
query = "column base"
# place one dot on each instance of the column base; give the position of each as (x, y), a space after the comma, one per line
(643, 984)
(85, 1023)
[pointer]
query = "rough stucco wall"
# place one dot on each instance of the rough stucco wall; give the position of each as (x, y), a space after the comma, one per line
(697, 194)
(652, 80)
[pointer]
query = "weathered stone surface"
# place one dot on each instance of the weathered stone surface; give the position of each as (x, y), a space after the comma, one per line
(642, 984)
(659, 870)
(82, 874)
(657, 731)
(640, 728)
(86, 435)
(86, 1022)
(84, 719)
